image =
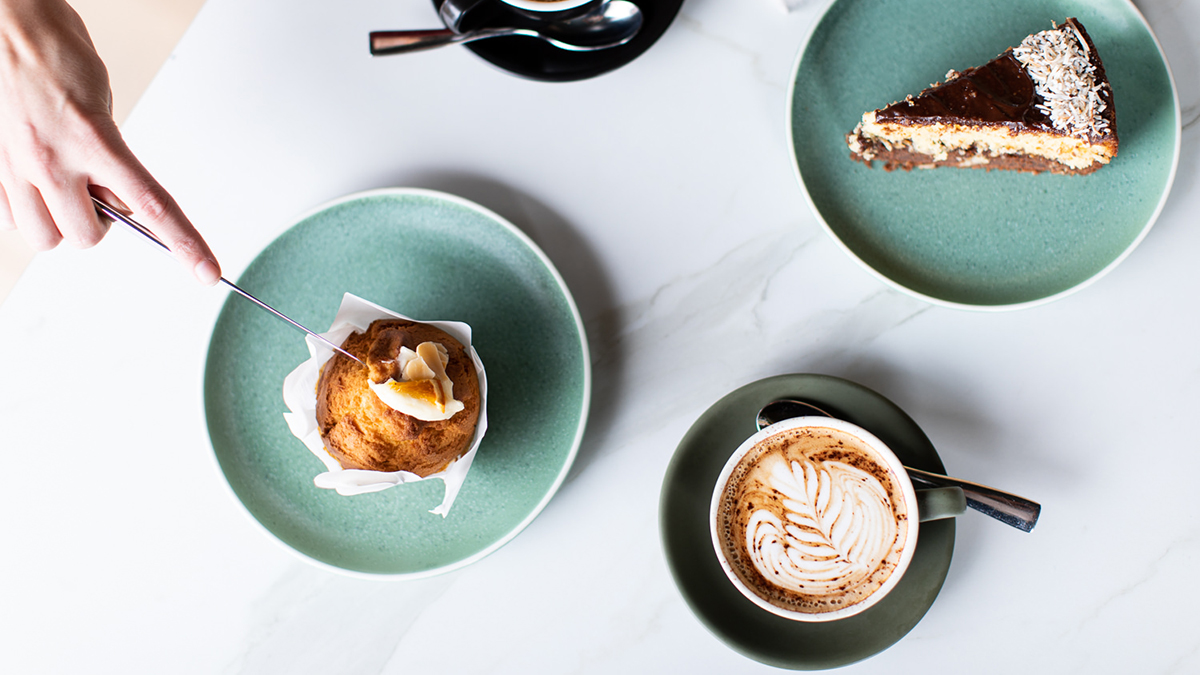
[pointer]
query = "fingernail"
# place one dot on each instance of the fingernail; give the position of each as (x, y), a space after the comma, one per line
(207, 272)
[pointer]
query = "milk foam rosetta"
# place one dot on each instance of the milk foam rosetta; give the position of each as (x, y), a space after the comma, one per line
(835, 526)
(424, 391)
(813, 521)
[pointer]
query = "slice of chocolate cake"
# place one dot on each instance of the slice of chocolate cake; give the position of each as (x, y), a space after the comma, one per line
(1045, 105)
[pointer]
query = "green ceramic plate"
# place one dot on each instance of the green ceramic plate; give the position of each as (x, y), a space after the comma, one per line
(430, 256)
(974, 238)
(748, 629)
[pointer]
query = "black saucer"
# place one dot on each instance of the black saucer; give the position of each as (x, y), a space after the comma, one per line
(537, 60)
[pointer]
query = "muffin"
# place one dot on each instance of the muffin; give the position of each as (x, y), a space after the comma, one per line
(413, 407)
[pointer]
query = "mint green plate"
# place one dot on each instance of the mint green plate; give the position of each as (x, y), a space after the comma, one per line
(430, 256)
(744, 626)
(974, 238)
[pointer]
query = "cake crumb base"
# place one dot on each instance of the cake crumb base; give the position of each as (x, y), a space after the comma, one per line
(895, 157)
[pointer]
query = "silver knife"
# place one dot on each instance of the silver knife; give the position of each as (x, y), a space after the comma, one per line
(116, 216)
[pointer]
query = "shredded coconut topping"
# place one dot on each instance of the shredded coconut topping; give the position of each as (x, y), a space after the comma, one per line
(1057, 61)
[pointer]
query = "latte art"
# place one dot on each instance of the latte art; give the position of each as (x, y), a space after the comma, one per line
(812, 520)
(835, 527)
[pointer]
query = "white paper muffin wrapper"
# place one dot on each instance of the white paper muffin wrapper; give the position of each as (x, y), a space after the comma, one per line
(300, 396)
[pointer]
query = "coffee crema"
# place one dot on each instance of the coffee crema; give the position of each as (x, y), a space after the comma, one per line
(812, 520)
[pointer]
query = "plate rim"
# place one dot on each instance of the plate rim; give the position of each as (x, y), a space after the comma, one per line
(1142, 234)
(580, 429)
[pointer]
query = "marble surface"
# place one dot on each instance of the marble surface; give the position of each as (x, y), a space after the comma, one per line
(664, 193)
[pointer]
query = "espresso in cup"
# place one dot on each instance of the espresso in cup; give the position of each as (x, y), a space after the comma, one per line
(814, 519)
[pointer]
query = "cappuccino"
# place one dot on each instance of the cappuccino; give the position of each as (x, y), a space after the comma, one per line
(814, 521)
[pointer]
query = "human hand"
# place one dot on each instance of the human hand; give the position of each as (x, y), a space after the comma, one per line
(59, 144)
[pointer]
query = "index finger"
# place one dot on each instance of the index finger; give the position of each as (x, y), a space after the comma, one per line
(132, 184)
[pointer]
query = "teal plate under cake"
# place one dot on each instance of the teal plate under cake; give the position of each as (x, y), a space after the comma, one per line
(969, 237)
(430, 256)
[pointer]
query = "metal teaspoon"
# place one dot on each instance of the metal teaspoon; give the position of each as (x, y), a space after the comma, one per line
(609, 25)
(1008, 508)
(116, 216)
(452, 12)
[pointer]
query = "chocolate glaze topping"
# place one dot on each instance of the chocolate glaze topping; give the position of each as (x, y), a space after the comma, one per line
(998, 92)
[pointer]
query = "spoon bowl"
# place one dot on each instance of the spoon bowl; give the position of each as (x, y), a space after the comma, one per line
(608, 25)
(1008, 508)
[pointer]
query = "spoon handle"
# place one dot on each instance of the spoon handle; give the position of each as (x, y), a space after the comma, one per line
(386, 42)
(1007, 508)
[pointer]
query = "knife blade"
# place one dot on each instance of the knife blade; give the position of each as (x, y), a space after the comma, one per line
(116, 216)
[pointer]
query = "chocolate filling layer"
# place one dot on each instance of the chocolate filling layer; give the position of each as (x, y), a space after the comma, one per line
(998, 92)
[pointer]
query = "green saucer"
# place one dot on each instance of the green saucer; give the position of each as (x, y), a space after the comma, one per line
(970, 237)
(738, 622)
(430, 256)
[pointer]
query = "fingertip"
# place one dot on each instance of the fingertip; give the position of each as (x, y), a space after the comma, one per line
(24, 209)
(75, 215)
(42, 240)
(207, 272)
(87, 237)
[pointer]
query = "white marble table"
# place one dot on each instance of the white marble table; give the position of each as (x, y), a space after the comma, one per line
(268, 108)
